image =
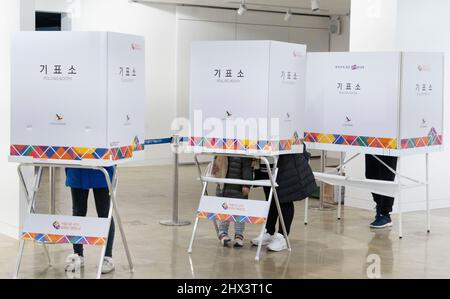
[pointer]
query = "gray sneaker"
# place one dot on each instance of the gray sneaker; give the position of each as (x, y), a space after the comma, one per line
(108, 265)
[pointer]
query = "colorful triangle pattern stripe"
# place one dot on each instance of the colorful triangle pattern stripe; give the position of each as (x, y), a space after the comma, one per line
(243, 144)
(433, 138)
(231, 218)
(73, 153)
(364, 141)
(63, 239)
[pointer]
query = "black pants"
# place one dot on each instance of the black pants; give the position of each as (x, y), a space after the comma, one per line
(287, 209)
(102, 204)
(377, 171)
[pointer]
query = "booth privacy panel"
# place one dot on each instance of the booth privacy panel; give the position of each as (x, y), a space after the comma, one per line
(421, 121)
(247, 96)
(77, 97)
(367, 102)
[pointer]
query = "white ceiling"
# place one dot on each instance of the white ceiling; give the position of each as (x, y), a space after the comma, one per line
(328, 7)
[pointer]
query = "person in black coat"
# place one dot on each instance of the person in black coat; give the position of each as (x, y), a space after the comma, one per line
(295, 182)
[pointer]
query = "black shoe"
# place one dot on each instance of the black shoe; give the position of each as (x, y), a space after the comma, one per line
(377, 218)
(382, 222)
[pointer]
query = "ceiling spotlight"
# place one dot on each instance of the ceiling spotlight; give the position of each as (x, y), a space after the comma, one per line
(242, 8)
(288, 15)
(315, 5)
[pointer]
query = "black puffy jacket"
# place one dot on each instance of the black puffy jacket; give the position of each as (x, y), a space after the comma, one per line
(295, 178)
(238, 168)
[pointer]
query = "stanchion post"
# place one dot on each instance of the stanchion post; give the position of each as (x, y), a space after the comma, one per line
(175, 221)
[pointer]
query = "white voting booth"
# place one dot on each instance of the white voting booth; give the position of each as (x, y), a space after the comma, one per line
(247, 100)
(77, 97)
(375, 103)
(77, 100)
(247, 97)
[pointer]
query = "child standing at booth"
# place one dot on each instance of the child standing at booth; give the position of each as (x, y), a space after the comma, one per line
(81, 181)
(232, 168)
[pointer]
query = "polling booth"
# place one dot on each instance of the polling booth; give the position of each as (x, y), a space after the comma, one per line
(77, 100)
(247, 99)
(385, 103)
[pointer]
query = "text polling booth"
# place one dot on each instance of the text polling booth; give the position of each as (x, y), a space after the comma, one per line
(247, 100)
(77, 100)
(387, 104)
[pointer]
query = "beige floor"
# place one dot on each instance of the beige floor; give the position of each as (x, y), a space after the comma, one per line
(325, 248)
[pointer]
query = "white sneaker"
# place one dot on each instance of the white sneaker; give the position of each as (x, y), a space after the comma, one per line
(266, 240)
(278, 243)
(74, 262)
(108, 265)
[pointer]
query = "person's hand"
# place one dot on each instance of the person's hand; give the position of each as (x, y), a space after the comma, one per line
(245, 191)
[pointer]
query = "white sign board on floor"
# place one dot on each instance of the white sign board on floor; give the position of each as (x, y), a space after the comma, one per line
(247, 97)
(77, 97)
(388, 103)
(57, 229)
(233, 210)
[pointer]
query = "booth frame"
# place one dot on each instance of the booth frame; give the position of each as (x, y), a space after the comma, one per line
(392, 188)
(31, 199)
(272, 173)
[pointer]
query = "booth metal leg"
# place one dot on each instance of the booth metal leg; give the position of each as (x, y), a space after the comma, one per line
(19, 258)
(323, 158)
(260, 237)
(263, 228)
(110, 182)
(124, 238)
(341, 172)
(30, 196)
(427, 180)
(112, 185)
(277, 202)
(193, 235)
(204, 192)
(399, 199)
(47, 254)
(102, 257)
(306, 210)
(52, 189)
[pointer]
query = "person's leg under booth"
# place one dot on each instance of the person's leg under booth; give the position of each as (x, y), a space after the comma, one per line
(375, 170)
(102, 204)
(385, 174)
(79, 208)
(287, 210)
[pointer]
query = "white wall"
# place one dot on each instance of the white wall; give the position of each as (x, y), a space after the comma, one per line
(407, 25)
(373, 24)
(15, 15)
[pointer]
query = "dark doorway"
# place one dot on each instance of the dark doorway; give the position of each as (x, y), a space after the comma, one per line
(46, 21)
